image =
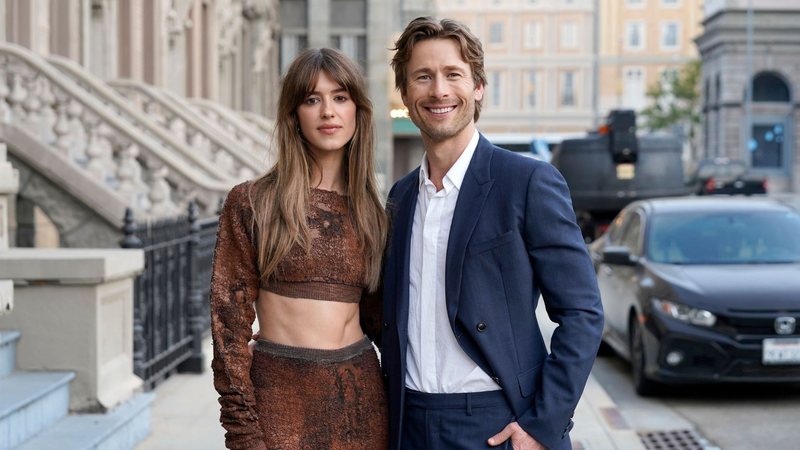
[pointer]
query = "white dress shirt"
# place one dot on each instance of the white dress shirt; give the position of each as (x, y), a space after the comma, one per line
(436, 363)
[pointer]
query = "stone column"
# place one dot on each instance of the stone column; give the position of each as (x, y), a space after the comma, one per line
(9, 183)
(130, 39)
(379, 19)
(3, 24)
(75, 311)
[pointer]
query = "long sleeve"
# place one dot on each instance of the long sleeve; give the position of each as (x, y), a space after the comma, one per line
(572, 300)
(234, 289)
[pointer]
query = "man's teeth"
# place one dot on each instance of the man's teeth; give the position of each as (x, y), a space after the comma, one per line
(442, 110)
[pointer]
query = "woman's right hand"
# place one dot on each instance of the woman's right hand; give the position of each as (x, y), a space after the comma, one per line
(252, 345)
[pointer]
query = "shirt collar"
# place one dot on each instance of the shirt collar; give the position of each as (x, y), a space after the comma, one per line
(455, 176)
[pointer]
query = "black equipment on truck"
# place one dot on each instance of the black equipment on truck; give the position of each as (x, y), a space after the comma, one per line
(609, 168)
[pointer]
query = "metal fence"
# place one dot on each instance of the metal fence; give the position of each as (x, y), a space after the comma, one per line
(171, 308)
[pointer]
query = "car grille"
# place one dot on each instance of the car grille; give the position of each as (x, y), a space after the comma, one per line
(753, 326)
(753, 368)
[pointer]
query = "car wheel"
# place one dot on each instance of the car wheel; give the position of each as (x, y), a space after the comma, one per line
(643, 385)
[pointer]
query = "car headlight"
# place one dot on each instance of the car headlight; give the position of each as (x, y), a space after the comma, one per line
(687, 314)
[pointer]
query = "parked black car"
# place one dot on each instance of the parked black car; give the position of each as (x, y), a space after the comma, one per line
(724, 176)
(702, 289)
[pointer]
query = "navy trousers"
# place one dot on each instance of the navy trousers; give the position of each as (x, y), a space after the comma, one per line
(454, 421)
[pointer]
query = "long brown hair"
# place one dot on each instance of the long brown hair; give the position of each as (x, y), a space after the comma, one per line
(280, 197)
(424, 28)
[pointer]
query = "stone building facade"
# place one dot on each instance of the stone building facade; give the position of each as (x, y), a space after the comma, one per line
(764, 130)
(223, 50)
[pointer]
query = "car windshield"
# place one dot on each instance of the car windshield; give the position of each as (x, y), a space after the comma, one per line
(724, 238)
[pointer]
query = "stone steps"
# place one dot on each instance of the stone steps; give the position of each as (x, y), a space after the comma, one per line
(8, 351)
(122, 428)
(34, 411)
(30, 402)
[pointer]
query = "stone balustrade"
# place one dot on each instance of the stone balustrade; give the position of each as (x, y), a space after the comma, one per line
(195, 156)
(9, 182)
(209, 138)
(265, 126)
(249, 135)
(39, 104)
(74, 308)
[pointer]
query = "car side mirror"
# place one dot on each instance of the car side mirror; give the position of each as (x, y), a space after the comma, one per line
(618, 255)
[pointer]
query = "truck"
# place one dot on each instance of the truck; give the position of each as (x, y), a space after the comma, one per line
(613, 166)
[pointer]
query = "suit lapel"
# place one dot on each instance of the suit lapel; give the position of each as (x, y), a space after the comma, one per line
(401, 244)
(471, 198)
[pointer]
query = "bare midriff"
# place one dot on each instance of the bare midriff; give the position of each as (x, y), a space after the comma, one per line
(308, 323)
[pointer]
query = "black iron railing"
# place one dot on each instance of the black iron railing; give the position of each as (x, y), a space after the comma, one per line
(171, 308)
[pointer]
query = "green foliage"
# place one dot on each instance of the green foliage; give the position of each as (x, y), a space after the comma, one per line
(676, 102)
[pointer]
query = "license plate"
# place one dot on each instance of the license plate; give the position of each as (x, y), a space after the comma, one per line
(781, 351)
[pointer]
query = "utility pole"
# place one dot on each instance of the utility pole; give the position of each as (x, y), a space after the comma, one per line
(748, 96)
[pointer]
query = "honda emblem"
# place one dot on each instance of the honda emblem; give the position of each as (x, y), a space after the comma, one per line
(785, 325)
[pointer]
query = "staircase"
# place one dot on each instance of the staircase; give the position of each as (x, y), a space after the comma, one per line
(34, 411)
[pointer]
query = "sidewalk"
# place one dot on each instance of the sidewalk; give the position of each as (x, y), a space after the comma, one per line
(185, 414)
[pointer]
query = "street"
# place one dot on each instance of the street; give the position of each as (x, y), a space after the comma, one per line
(730, 417)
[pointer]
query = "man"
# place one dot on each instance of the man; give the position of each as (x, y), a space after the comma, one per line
(477, 234)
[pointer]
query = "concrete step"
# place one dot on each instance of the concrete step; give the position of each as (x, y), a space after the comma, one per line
(122, 428)
(31, 402)
(8, 351)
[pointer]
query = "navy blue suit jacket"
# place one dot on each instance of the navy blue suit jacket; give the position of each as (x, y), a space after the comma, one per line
(513, 236)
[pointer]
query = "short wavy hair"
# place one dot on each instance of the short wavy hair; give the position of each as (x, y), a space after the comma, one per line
(424, 28)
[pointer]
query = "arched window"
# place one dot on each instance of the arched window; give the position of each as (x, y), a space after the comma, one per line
(768, 87)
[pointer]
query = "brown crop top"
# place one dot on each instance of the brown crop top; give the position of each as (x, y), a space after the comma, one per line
(334, 267)
(330, 272)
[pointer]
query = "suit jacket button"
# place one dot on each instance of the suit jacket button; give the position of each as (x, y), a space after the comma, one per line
(385, 324)
(481, 327)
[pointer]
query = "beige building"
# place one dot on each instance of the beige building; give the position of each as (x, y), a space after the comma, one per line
(641, 43)
(539, 63)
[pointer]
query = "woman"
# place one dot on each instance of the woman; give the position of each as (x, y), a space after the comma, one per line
(296, 249)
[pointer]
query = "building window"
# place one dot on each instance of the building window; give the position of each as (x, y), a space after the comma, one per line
(496, 89)
(766, 146)
(291, 45)
(670, 32)
(769, 87)
(668, 76)
(569, 35)
(568, 88)
(634, 35)
(635, 3)
(348, 13)
(670, 3)
(530, 84)
(633, 88)
(354, 46)
(533, 35)
(496, 33)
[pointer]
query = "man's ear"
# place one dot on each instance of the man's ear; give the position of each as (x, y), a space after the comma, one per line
(479, 92)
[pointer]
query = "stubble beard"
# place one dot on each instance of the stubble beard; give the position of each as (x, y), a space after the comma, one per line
(443, 132)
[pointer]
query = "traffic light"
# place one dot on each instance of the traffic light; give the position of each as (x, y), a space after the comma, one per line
(624, 146)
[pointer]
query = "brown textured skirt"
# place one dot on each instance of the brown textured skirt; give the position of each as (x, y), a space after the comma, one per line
(320, 399)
